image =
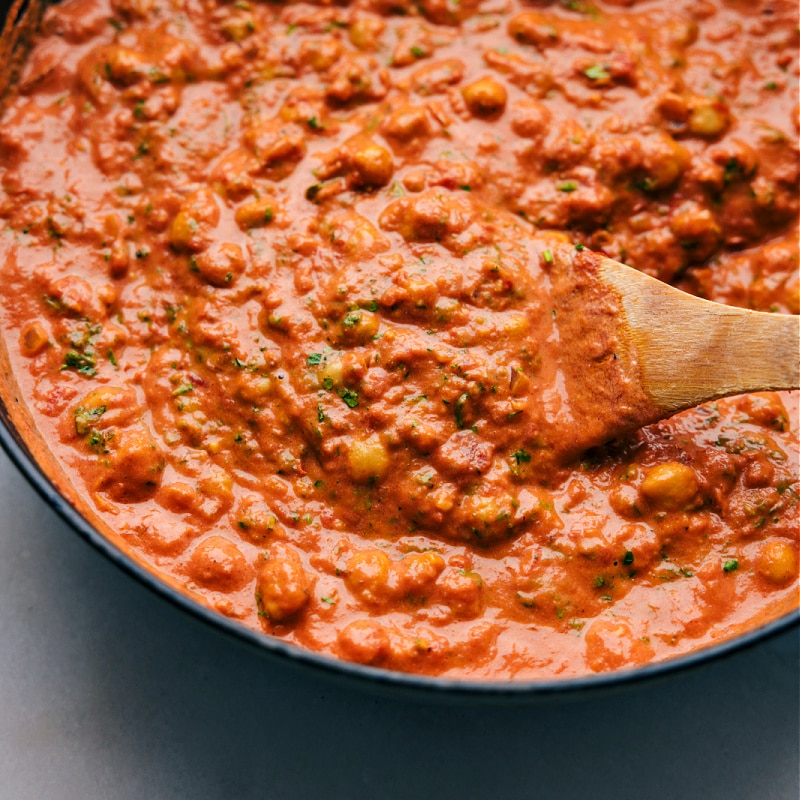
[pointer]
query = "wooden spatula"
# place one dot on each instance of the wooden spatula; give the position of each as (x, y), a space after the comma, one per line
(691, 350)
(631, 350)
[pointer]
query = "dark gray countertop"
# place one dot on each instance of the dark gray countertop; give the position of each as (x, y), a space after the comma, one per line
(107, 691)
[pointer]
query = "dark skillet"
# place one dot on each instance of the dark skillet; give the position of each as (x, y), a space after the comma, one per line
(22, 448)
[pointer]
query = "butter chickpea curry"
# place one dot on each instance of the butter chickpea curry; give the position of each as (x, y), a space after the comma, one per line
(283, 287)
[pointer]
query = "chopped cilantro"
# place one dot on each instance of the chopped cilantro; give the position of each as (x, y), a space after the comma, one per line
(83, 363)
(628, 557)
(731, 565)
(314, 359)
(349, 396)
(567, 186)
(521, 456)
(351, 320)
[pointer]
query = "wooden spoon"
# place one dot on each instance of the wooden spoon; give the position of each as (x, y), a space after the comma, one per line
(633, 350)
(691, 350)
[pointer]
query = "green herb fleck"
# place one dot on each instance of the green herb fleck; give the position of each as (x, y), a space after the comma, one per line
(83, 363)
(459, 410)
(597, 72)
(521, 456)
(351, 320)
(349, 396)
(731, 565)
(86, 417)
(183, 389)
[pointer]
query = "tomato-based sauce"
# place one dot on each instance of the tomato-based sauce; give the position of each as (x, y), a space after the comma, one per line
(289, 291)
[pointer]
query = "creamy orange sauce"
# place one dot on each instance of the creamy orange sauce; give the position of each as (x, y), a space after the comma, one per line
(291, 291)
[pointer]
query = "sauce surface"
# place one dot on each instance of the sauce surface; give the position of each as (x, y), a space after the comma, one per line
(283, 286)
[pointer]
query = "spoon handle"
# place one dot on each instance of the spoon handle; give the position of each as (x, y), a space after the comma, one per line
(691, 350)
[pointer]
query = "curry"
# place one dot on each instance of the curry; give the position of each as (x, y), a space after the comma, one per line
(282, 287)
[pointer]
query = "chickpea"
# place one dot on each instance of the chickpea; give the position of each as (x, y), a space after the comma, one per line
(487, 519)
(319, 54)
(663, 162)
(766, 409)
(462, 592)
(221, 264)
(611, 644)
(407, 123)
(34, 338)
(135, 468)
(368, 575)
(417, 571)
(123, 65)
(218, 564)
(332, 372)
(697, 230)
(255, 213)
(622, 499)
(485, 97)
(179, 497)
(364, 641)
(516, 325)
(708, 118)
(238, 27)
(371, 165)
(133, 8)
(217, 488)
(191, 228)
(282, 585)
(363, 240)
(671, 485)
(76, 295)
(365, 32)
(254, 521)
(360, 326)
(533, 28)
(368, 459)
(106, 406)
(777, 561)
(253, 387)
